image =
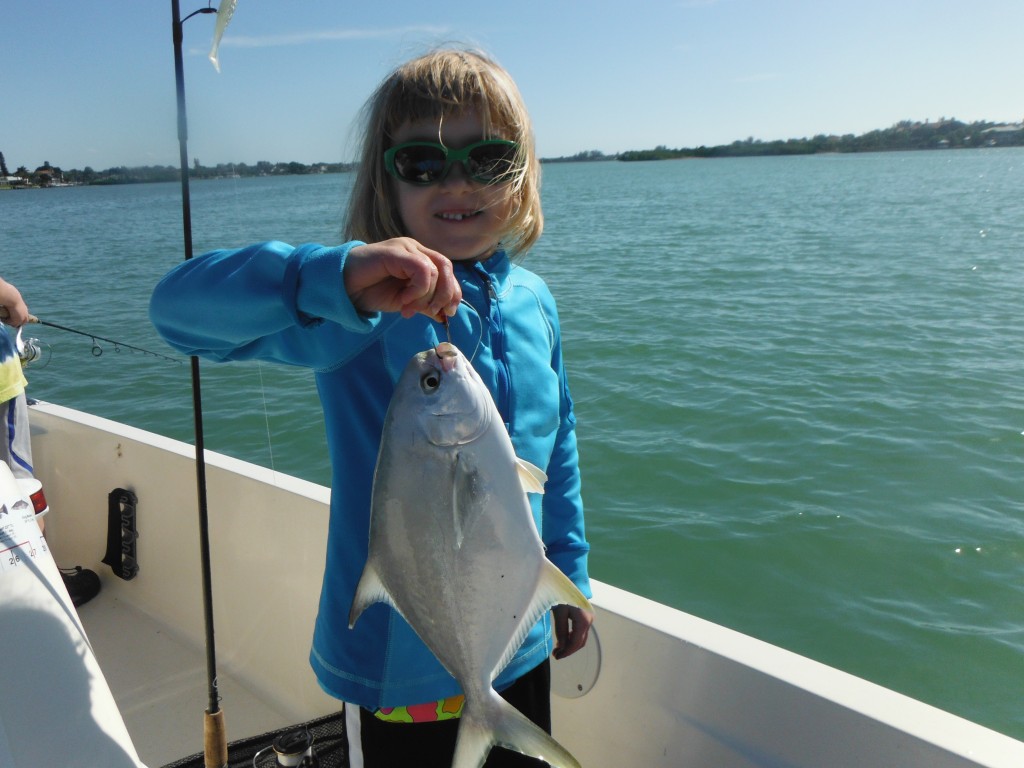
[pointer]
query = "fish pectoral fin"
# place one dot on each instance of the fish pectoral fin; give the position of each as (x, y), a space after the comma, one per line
(370, 590)
(531, 477)
(466, 507)
(499, 723)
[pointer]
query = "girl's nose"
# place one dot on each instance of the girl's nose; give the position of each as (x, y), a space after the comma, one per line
(457, 175)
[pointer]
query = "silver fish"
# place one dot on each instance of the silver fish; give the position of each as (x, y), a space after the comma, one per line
(224, 13)
(454, 548)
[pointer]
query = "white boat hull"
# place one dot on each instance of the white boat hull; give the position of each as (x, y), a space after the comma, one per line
(56, 708)
(670, 689)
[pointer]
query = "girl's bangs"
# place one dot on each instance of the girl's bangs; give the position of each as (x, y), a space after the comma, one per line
(451, 85)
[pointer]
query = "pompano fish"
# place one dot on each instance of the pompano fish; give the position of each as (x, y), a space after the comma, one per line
(454, 548)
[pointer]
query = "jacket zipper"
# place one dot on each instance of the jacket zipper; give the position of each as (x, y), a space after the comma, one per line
(503, 395)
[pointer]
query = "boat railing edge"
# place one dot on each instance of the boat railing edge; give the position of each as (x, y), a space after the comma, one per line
(213, 458)
(924, 721)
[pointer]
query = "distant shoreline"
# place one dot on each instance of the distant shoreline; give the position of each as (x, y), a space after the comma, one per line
(903, 136)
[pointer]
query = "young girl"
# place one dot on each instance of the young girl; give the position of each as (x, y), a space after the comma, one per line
(447, 196)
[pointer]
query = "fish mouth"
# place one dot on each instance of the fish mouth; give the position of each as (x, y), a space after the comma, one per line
(447, 355)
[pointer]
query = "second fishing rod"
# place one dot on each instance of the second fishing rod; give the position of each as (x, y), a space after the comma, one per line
(30, 351)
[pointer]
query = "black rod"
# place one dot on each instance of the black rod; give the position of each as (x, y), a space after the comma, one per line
(215, 741)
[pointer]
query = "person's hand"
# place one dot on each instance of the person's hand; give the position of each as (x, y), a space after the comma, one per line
(572, 626)
(400, 275)
(13, 309)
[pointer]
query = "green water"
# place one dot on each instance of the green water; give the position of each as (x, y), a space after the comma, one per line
(799, 383)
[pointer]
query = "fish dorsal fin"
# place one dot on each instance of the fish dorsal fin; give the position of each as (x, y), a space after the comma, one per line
(555, 588)
(531, 477)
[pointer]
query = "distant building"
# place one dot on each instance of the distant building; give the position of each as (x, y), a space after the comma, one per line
(1005, 133)
(46, 176)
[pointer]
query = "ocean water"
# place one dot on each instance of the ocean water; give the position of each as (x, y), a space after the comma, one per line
(799, 384)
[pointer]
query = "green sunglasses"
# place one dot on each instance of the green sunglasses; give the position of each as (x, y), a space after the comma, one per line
(428, 162)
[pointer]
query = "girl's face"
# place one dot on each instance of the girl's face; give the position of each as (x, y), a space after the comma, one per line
(458, 217)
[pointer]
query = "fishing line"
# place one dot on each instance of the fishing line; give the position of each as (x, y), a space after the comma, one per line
(266, 420)
(239, 215)
(480, 336)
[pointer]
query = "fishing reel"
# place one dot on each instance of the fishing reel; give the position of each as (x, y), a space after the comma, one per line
(293, 748)
(29, 350)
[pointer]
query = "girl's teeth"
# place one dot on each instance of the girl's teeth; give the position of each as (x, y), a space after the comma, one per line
(455, 216)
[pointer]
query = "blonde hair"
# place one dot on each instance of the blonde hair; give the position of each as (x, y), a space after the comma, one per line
(439, 84)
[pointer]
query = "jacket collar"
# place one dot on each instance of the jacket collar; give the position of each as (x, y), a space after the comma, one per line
(494, 268)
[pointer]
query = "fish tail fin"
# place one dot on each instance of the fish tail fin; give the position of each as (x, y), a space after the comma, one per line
(498, 723)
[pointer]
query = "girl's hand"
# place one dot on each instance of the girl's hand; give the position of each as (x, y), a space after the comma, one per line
(400, 275)
(572, 626)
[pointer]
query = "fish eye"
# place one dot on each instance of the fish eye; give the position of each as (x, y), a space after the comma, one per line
(430, 381)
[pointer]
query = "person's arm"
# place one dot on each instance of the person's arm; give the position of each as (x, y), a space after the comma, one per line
(15, 311)
(564, 533)
(270, 301)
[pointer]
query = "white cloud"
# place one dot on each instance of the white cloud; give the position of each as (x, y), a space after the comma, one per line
(325, 35)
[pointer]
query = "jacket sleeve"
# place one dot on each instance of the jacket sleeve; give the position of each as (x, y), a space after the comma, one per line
(563, 527)
(268, 301)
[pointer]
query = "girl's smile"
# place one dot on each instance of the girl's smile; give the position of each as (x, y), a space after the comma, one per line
(457, 216)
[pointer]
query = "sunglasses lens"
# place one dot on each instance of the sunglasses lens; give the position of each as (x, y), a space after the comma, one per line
(491, 162)
(488, 161)
(420, 164)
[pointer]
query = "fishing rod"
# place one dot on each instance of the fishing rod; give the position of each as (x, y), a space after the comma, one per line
(215, 743)
(97, 350)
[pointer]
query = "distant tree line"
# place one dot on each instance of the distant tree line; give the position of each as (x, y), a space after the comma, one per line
(589, 156)
(154, 173)
(48, 175)
(905, 135)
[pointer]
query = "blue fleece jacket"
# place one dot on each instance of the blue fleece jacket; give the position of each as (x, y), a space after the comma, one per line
(274, 302)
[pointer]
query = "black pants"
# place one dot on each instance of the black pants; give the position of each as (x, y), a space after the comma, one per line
(432, 745)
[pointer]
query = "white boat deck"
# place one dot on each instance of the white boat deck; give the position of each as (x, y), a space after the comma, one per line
(159, 683)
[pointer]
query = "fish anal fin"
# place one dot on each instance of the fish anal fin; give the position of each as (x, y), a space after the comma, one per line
(370, 590)
(531, 477)
(555, 588)
(496, 722)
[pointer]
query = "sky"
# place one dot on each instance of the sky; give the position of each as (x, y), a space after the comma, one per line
(90, 83)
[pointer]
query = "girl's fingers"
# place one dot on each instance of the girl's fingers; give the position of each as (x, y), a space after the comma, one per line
(401, 275)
